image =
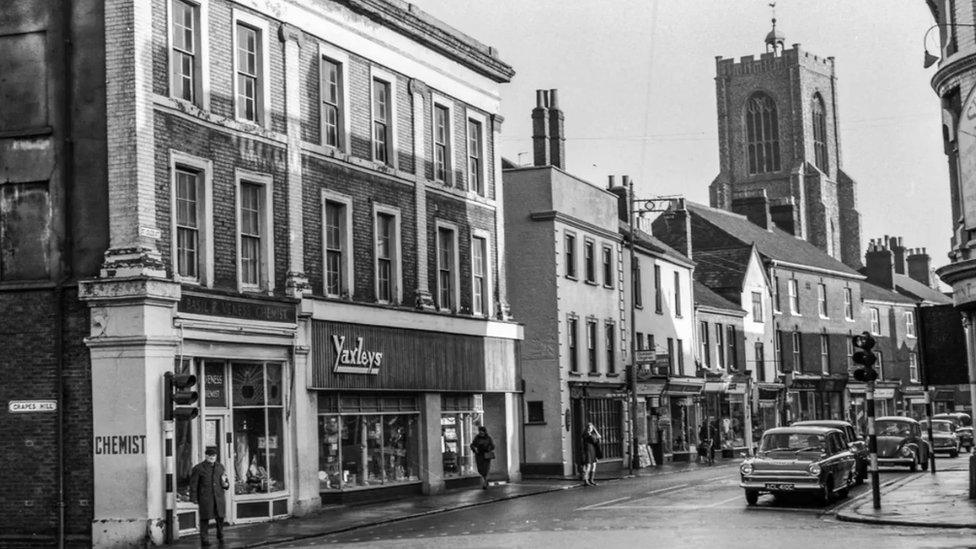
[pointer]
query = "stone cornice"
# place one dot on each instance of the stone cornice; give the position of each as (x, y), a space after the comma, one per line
(408, 20)
(952, 69)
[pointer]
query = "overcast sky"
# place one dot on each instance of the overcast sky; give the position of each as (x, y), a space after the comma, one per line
(636, 83)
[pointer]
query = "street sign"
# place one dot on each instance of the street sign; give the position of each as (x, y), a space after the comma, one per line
(644, 356)
(29, 406)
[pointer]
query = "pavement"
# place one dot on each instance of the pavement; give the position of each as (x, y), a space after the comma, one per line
(344, 518)
(921, 499)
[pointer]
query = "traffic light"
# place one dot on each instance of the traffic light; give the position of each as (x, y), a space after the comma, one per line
(864, 357)
(180, 397)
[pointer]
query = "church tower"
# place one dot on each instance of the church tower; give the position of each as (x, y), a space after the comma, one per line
(779, 147)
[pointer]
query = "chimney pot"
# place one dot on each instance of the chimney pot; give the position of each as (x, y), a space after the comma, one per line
(540, 129)
(625, 180)
(610, 181)
(553, 99)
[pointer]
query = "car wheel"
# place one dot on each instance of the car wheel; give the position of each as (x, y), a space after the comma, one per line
(954, 453)
(752, 496)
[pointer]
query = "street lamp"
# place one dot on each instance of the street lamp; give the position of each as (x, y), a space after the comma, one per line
(639, 208)
(933, 59)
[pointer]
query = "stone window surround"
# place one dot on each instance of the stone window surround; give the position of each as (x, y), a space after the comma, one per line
(349, 282)
(204, 167)
(203, 60)
(397, 275)
(240, 17)
(266, 269)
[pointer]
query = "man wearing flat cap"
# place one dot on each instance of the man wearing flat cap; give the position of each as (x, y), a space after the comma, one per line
(207, 484)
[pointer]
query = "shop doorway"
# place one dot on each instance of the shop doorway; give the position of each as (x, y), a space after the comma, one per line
(216, 436)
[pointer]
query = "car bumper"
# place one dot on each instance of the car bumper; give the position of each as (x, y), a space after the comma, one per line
(768, 485)
(896, 461)
(946, 449)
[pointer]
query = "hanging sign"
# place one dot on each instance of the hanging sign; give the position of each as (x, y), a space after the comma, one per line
(355, 360)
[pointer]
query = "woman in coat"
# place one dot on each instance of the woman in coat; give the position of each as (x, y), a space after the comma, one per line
(591, 453)
(207, 484)
(484, 451)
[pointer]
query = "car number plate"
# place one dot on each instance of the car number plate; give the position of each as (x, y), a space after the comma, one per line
(778, 486)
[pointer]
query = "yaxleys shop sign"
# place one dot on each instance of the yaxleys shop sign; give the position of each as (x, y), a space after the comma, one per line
(357, 356)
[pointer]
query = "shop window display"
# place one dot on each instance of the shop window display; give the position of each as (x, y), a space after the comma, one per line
(368, 450)
(259, 459)
(457, 431)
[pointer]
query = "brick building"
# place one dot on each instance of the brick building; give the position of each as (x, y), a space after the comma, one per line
(565, 284)
(778, 135)
(302, 207)
(53, 230)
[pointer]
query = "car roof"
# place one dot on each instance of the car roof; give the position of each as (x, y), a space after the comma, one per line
(832, 423)
(800, 430)
(896, 418)
(950, 414)
(937, 420)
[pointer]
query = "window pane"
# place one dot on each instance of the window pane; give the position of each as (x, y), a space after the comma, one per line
(250, 456)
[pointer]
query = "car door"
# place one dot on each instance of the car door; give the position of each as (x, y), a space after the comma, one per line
(845, 459)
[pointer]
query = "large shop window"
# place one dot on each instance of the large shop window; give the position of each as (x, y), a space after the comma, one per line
(460, 418)
(368, 441)
(259, 450)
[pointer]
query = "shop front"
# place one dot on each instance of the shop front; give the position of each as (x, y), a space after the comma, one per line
(684, 395)
(885, 402)
(726, 406)
(603, 405)
(813, 397)
(656, 416)
(914, 402)
(398, 408)
(769, 401)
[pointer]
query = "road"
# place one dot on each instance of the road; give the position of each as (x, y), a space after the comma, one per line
(695, 508)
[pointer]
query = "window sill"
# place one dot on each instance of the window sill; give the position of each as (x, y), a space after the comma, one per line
(612, 374)
(659, 311)
(593, 374)
(572, 277)
(822, 317)
(608, 286)
(535, 423)
(590, 283)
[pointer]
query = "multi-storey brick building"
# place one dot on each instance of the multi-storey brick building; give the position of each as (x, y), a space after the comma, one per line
(779, 133)
(304, 209)
(565, 280)
(815, 303)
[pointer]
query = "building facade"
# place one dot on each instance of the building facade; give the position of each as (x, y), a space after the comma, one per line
(779, 135)
(954, 82)
(565, 284)
(302, 207)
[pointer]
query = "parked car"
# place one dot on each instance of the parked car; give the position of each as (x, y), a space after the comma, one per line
(944, 438)
(814, 460)
(858, 447)
(900, 442)
(964, 427)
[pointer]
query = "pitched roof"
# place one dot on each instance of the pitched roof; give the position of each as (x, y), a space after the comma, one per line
(707, 298)
(774, 244)
(912, 288)
(722, 269)
(655, 244)
(877, 293)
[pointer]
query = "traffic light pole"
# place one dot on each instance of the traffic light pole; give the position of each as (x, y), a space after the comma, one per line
(928, 415)
(172, 532)
(873, 446)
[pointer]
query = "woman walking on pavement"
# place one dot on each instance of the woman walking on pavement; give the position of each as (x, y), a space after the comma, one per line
(484, 451)
(591, 453)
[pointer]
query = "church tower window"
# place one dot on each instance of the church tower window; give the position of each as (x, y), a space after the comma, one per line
(762, 134)
(819, 132)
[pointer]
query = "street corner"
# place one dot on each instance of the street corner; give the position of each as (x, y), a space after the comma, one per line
(917, 500)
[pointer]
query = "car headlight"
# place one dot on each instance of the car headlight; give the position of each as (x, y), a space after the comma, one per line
(905, 451)
(814, 469)
(746, 468)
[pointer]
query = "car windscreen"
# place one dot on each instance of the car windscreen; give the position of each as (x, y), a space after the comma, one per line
(888, 428)
(938, 427)
(795, 442)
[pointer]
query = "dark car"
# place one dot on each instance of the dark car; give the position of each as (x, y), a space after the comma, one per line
(964, 427)
(900, 442)
(944, 437)
(858, 447)
(814, 460)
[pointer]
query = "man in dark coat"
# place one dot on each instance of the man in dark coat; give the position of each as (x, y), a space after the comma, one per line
(208, 480)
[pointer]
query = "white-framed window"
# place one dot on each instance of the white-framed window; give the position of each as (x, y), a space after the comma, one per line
(794, 289)
(589, 260)
(334, 77)
(757, 307)
(824, 353)
(481, 291)
(910, 323)
(913, 367)
(569, 248)
(848, 304)
(611, 347)
(875, 321)
(572, 345)
(387, 263)
(252, 71)
(607, 267)
(591, 353)
(776, 305)
(383, 114)
(192, 219)
(477, 153)
(442, 128)
(822, 300)
(337, 244)
(189, 52)
(850, 350)
(255, 246)
(448, 281)
(705, 347)
(720, 344)
(880, 364)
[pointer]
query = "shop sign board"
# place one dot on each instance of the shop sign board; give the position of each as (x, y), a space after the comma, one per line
(357, 360)
(644, 357)
(31, 406)
(248, 309)
(884, 393)
(478, 403)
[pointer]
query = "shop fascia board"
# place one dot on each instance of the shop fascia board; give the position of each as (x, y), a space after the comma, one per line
(192, 326)
(355, 313)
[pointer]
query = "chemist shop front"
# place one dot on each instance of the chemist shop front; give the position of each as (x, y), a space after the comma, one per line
(398, 408)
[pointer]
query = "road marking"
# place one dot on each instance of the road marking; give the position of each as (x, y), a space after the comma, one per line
(601, 504)
(658, 491)
(716, 504)
(723, 477)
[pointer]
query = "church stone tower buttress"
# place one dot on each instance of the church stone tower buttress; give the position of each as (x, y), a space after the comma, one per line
(779, 147)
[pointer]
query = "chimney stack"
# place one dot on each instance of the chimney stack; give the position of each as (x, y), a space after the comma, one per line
(879, 267)
(623, 204)
(918, 266)
(557, 137)
(540, 129)
(610, 182)
(898, 253)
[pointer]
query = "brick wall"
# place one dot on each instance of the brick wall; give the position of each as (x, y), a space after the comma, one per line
(28, 441)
